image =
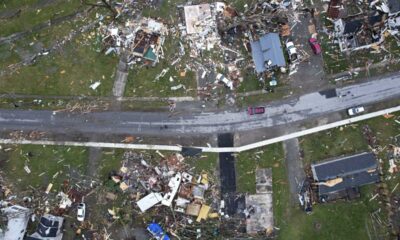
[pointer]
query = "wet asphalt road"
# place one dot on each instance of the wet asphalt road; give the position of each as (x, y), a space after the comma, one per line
(278, 113)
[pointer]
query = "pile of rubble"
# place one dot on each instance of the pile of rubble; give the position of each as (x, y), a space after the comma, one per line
(140, 40)
(18, 210)
(365, 28)
(200, 28)
(169, 184)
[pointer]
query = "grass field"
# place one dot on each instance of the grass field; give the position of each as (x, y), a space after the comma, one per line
(48, 164)
(69, 72)
(339, 220)
(33, 13)
(335, 142)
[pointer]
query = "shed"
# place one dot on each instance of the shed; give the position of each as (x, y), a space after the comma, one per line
(267, 53)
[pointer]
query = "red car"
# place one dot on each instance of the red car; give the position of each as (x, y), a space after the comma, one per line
(315, 46)
(255, 110)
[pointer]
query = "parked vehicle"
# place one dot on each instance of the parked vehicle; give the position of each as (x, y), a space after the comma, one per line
(355, 110)
(81, 212)
(292, 51)
(315, 46)
(226, 81)
(255, 110)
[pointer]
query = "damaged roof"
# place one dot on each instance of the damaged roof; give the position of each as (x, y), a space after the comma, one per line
(353, 26)
(268, 48)
(333, 9)
(356, 170)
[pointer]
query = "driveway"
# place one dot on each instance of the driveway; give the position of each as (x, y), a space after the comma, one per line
(294, 168)
(310, 75)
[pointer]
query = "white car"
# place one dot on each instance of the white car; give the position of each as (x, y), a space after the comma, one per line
(292, 51)
(81, 212)
(355, 110)
(227, 82)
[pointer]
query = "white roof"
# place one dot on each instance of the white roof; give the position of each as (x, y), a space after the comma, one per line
(18, 218)
(149, 201)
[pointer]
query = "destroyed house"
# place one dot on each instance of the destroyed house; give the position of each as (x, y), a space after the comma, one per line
(146, 45)
(17, 218)
(359, 33)
(259, 206)
(267, 53)
(339, 178)
(49, 228)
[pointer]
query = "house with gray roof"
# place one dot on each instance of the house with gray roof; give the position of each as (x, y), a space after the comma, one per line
(267, 53)
(341, 178)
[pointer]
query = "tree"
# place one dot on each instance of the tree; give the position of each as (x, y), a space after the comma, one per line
(109, 4)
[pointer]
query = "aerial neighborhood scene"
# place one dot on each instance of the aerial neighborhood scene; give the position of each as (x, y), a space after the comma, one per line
(199, 119)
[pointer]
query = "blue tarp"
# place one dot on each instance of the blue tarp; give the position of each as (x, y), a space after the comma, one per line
(157, 231)
(268, 48)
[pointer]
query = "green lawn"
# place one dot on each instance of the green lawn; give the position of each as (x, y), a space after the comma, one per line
(340, 221)
(69, 72)
(111, 160)
(335, 142)
(7, 5)
(279, 93)
(207, 162)
(32, 15)
(48, 164)
(250, 82)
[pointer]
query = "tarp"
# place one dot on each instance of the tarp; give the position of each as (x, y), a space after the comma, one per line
(156, 230)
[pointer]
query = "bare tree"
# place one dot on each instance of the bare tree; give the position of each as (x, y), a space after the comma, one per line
(109, 4)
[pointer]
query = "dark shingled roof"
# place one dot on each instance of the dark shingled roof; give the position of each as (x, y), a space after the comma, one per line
(356, 170)
(356, 180)
(394, 6)
(352, 26)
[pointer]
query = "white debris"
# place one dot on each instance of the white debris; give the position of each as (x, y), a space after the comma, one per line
(149, 201)
(179, 86)
(174, 184)
(95, 85)
(27, 170)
